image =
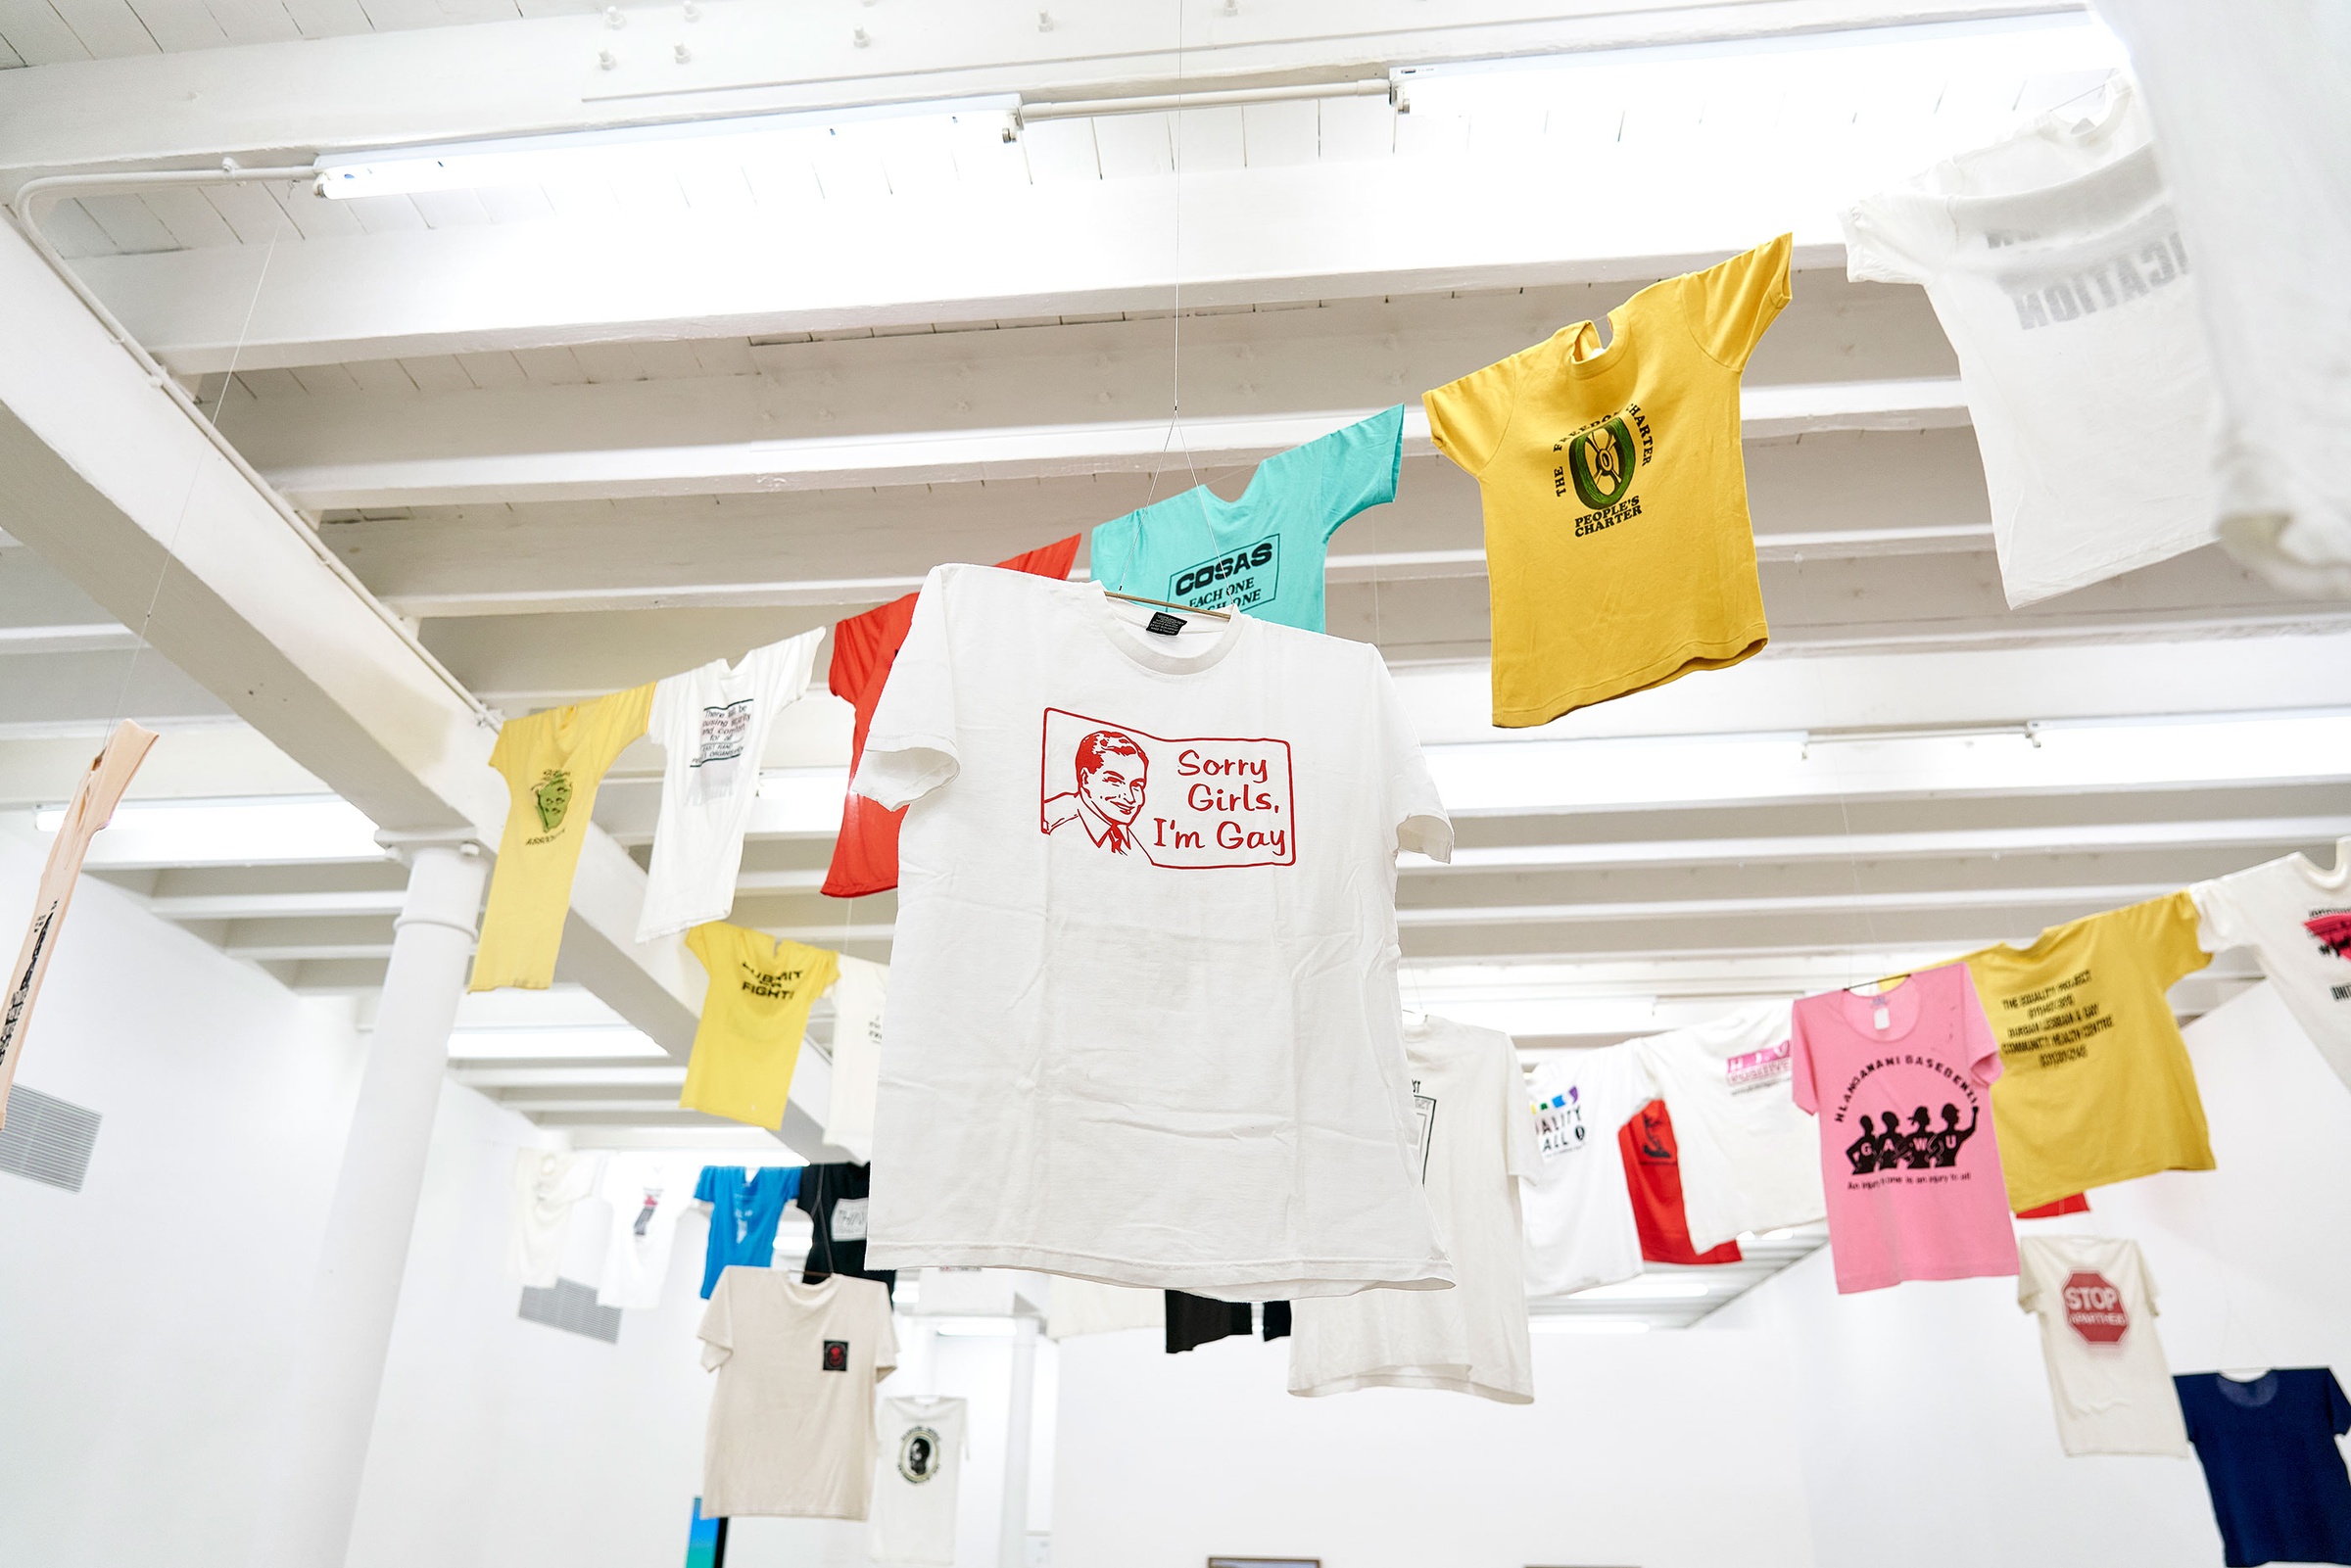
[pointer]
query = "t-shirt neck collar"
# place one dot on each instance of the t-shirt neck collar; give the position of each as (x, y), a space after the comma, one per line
(2336, 880)
(1153, 651)
(1904, 1005)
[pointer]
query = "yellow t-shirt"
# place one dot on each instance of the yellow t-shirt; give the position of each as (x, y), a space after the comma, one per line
(2095, 1085)
(552, 762)
(1618, 550)
(753, 1016)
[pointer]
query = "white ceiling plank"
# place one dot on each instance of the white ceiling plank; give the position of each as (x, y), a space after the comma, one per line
(109, 28)
(248, 22)
(1210, 141)
(1135, 146)
(492, 372)
(255, 213)
(1279, 133)
(380, 215)
(552, 368)
(10, 60)
(514, 204)
(177, 24)
(325, 380)
(346, 86)
(380, 377)
(75, 232)
(191, 219)
(1061, 150)
(313, 217)
(437, 372)
(450, 209)
(132, 225)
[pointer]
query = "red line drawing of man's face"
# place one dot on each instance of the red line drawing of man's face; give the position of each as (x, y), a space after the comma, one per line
(1112, 772)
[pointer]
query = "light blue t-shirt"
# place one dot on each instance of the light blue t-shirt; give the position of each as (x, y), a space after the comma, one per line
(743, 1214)
(1261, 554)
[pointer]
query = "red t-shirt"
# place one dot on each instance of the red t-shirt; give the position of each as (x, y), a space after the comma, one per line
(1653, 1170)
(865, 857)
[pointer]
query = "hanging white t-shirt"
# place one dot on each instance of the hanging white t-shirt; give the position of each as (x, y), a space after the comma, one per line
(2108, 1380)
(2253, 120)
(858, 997)
(2056, 268)
(1143, 1022)
(711, 723)
(792, 1419)
(1082, 1306)
(924, 1443)
(1750, 1159)
(1477, 1142)
(1579, 1211)
(648, 1195)
(548, 1183)
(2297, 919)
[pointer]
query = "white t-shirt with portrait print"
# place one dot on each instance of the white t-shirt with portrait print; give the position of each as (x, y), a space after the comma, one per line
(1749, 1159)
(1143, 1019)
(2296, 918)
(924, 1443)
(2054, 263)
(711, 723)
(1579, 1210)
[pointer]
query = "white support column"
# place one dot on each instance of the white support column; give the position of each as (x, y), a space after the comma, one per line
(1012, 1528)
(339, 1369)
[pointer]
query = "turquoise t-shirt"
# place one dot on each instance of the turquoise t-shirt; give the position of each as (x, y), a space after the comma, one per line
(1261, 554)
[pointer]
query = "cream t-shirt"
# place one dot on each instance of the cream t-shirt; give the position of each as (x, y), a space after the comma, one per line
(2296, 918)
(792, 1419)
(2108, 1382)
(1750, 1159)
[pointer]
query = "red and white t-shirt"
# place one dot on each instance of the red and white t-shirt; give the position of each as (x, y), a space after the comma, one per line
(2108, 1381)
(1143, 1020)
(865, 856)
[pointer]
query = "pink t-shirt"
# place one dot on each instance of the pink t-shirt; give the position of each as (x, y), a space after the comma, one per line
(1906, 1151)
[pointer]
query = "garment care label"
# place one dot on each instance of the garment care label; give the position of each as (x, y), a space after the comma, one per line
(1559, 1124)
(848, 1220)
(1185, 803)
(1163, 622)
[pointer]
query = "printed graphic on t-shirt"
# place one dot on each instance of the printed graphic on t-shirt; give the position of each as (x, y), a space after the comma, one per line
(2135, 268)
(718, 749)
(551, 798)
(2093, 1308)
(1648, 1139)
(769, 983)
(836, 1356)
(1750, 1071)
(2332, 928)
(1239, 580)
(848, 1218)
(644, 1215)
(1921, 1148)
(918, 1453)
(1596, 464)
(2051, 1024)
(1425, 1112)
(1559, 1124)
(1184, 803)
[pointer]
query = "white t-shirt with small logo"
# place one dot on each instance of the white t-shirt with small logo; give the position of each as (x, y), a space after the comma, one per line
(1478, 1144)
(649, 1194)
(924, 1443)
(791, 1431)
(1750, 1159)
(711, 723)
(2108, 1380)
(2055, 265)
(1579, 1211)
(2297, 919)
(1143, 1020)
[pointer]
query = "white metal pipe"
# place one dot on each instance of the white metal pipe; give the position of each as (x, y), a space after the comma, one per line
(1012, 1524)
(1213, 97)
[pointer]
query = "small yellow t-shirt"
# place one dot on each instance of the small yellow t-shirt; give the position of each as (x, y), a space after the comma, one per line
(552, 762)
(2095, 1085)
(1618, 550)
(753, 1016)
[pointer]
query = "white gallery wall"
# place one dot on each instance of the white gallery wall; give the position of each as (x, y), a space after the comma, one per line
(146, 1321)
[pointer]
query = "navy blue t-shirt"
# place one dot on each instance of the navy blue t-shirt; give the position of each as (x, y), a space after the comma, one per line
(2280, 1492)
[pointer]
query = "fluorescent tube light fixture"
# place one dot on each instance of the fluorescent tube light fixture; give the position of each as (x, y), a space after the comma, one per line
(590, 155)
(252, 832)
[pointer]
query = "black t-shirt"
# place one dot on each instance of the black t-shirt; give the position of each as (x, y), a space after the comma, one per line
(823, 1189)
(1194, 1321)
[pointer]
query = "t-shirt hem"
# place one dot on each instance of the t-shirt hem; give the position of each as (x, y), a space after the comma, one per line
(1979, 1268)
(720, 1512)
(1704, 654)
(2019, 1203)
(1257, 1280)
(1403, 1377)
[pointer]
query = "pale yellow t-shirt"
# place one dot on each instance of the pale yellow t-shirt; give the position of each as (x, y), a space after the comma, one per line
(1618, 550)
(2095, 1085)
(753, 1016)
(552, 762)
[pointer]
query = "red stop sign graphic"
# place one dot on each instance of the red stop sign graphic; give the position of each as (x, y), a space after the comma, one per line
(2094, 1308)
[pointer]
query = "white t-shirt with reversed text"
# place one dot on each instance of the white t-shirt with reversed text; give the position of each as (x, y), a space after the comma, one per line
(1749, 1159)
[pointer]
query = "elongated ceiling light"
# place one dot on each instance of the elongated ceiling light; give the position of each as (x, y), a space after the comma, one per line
(589, 155)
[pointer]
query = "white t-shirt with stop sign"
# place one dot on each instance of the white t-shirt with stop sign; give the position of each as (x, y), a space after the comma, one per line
(2108, 1380)
(1143, 1024)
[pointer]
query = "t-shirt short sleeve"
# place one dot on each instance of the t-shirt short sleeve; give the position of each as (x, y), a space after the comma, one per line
(2220, 917)
(1467, 419)
(706, 1186)
(886, 1338)
(2338, 1406)
(698, 942)
(2028, 1278)
(1413, 805)
(502, 753)
(664, 722)
(911, 750)
(2185, 1388)
(1983, 1046)
(1729, 305)
(1360, 467)
(1887, 240)
(625, 715)
(1521, 1149)
(2173, 945)
(1800, 1067)
(717, 1331)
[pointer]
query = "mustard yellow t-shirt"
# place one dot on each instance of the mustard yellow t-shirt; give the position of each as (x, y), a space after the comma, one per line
(552, 762)
(753, 1016)
(1618, 550)
(2095, 1085)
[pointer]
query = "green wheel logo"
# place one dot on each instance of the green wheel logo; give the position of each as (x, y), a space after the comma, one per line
(553, 796)
(1600, 463)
